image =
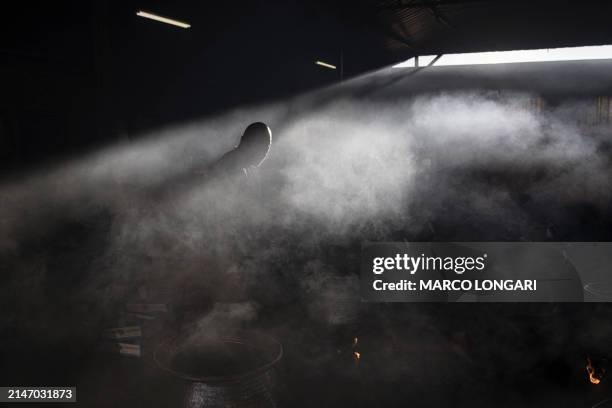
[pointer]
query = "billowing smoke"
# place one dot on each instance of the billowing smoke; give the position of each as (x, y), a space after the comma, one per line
(445, 166)
(338, 165)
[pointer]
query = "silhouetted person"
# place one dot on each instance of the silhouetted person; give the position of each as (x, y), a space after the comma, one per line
(250, 153)
(198, 294)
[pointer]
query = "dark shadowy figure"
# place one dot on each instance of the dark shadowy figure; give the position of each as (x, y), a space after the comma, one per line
(249, 154)
(197, 295)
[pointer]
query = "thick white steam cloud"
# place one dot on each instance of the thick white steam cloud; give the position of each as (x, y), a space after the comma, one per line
(339, 171)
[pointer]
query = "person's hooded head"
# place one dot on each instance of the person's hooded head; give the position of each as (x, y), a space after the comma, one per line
(254, 145)
(251, 152)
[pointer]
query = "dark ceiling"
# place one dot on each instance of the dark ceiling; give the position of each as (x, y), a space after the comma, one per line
(444, 26)
(79, 74)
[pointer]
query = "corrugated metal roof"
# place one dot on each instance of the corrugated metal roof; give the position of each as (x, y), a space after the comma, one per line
(429, 26)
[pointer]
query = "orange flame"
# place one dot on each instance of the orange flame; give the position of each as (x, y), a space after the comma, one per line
(591, 371)
(356, 354)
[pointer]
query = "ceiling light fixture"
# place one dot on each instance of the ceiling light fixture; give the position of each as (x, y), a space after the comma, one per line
(325, 64)
(162, 19)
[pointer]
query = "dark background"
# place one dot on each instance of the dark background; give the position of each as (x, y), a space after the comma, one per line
(76, 75)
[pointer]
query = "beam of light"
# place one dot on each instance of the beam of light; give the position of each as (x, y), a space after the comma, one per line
(595, 52)
(325, 64)
(162, 19)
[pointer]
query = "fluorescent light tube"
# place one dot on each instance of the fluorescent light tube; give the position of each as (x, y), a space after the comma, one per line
(326, 65)
(162, 19)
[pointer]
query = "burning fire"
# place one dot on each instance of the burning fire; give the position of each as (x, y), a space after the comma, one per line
(591, 371)
(356, 354)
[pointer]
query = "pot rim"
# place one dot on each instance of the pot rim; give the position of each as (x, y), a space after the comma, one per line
(242, 339)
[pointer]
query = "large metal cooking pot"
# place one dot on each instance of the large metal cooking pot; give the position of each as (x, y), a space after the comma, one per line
(223, 371)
